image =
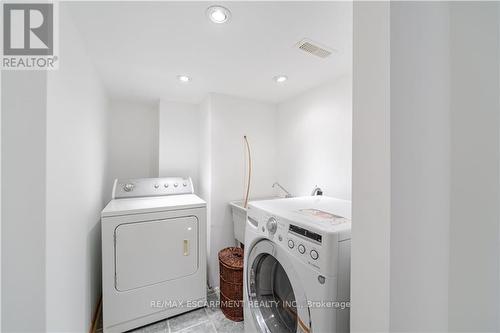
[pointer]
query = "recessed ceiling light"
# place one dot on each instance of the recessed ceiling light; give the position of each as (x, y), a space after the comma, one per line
(183, 78)
(218, 14)
(280, 78)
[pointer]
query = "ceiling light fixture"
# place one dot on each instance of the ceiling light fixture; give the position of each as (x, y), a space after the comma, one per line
(183, 78)
(218, 14)
(280, 78)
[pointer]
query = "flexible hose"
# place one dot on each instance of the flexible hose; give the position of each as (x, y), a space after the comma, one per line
(97, 314)
(247, 192)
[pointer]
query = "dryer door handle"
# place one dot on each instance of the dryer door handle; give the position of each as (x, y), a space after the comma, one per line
(186, 247)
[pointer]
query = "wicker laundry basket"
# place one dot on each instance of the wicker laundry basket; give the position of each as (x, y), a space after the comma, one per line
(231, 282)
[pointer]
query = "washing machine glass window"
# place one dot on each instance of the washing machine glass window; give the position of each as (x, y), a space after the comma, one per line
(272, 293)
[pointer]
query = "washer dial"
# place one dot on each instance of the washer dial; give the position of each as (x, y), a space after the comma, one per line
(272, 225)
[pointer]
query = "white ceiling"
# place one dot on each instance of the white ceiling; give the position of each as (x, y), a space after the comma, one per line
(140, 47)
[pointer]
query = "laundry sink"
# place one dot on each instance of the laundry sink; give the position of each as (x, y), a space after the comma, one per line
(239, 213)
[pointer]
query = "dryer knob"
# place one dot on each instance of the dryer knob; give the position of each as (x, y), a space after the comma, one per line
(272, 225)
(128, 187)
(301, 249)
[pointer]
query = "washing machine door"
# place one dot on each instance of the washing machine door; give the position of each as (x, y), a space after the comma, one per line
(276, 297)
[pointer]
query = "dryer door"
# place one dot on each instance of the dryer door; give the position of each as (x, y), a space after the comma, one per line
(277, 298)
(152, 252)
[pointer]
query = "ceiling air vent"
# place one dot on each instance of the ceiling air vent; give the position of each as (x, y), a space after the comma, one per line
(312, 47)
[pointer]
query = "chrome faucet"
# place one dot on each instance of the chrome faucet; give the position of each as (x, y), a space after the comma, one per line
(317, 191)
(287, 194)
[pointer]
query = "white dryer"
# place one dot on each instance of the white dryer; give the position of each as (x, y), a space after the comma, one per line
(153, 252)
(297, 265)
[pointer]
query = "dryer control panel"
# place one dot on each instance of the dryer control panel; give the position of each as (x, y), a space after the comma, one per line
(151, 187)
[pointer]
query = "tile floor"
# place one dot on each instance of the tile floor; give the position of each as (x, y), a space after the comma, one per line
(204, 320)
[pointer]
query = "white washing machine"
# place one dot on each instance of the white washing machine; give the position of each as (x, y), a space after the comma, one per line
(297, 265)
(153, 252)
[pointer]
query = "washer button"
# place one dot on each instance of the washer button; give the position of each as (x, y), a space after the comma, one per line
(301, 249)
(314, 254)
(291, 244)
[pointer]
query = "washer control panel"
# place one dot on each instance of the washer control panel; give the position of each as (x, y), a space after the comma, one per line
(300, 242)
(149, 187)
(308, 243)
(309, 253)
(305, 233)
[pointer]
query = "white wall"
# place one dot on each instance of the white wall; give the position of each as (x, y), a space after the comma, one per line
(420, 166)
(475, 116)
(230, 118)
(77, 188)
(0, 204)
(179, 140)
(133, 140)
(442, 183)
(205, 170)
(314, 140)
(445, 114)
(23, 200)
(371, 191)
